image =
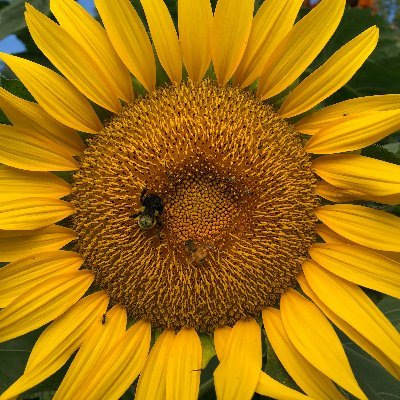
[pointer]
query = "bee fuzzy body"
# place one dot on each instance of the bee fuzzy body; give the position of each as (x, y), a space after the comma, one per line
(152, 207)
(196, 253)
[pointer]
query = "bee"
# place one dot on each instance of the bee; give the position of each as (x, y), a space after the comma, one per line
(197, 254)
(104, 319)
(231, 179)
(151, 210)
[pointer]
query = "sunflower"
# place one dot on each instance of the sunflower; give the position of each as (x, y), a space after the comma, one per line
(194, 208)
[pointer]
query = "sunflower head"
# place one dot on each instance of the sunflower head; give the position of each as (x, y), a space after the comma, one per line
(193, 210)
(227, 190)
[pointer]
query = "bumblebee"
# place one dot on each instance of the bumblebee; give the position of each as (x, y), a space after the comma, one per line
(197, 254)
(152, 207)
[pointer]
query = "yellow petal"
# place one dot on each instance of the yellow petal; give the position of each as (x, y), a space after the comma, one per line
(314, 122)
(330, 236)
(359, 265)
(273, 21)
(184, 366)
(58, 342)
(20, 276)
(55, 94)
(300, 47)
(92, 37)
(130, 40)
(391, 199)
(364, 174)
(17, 244)
(43, 303)
(98, 340)
(335, 194)
(395, 256)
(265, 384)
(269, 387)
(84, 74)
(18, 184)
(332, 75)
(112, 374)
(152, 380)
(194, 23)
(354, 132)
(340, 195)
(230, 33)
(234, 379)
(310, 379)
(30, 116)
(352, 305)
(221, 336)
(371, 228)
(315, 339)
(66, 334)
(350, 331)
(32, 213)
(21, 150)
(164, 37)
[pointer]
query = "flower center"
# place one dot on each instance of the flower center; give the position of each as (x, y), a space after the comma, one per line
(202, 206)
(195, 206)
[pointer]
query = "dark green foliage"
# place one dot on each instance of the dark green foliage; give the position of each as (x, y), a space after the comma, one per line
(13, 357)
(376, 383)
(15, 87)
(380, 153)
(274, 369)
(12, 15)
(380, 74)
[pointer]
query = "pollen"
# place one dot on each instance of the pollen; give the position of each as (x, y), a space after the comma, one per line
(238, 197)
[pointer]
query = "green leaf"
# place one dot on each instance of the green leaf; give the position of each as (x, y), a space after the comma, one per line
(393, 147)
(207, 390)
(3, 4)
(375, 381)
(3, 119)
(15, 87)
(13, 357)
(51, 384)
(390, 306)
(47, 395)
(12, 16)
(138, 88)
(162, 78)
(275, 369)
(380, 74)
(173, 9)
(381, 153)
(208, 349)
(130, 392)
